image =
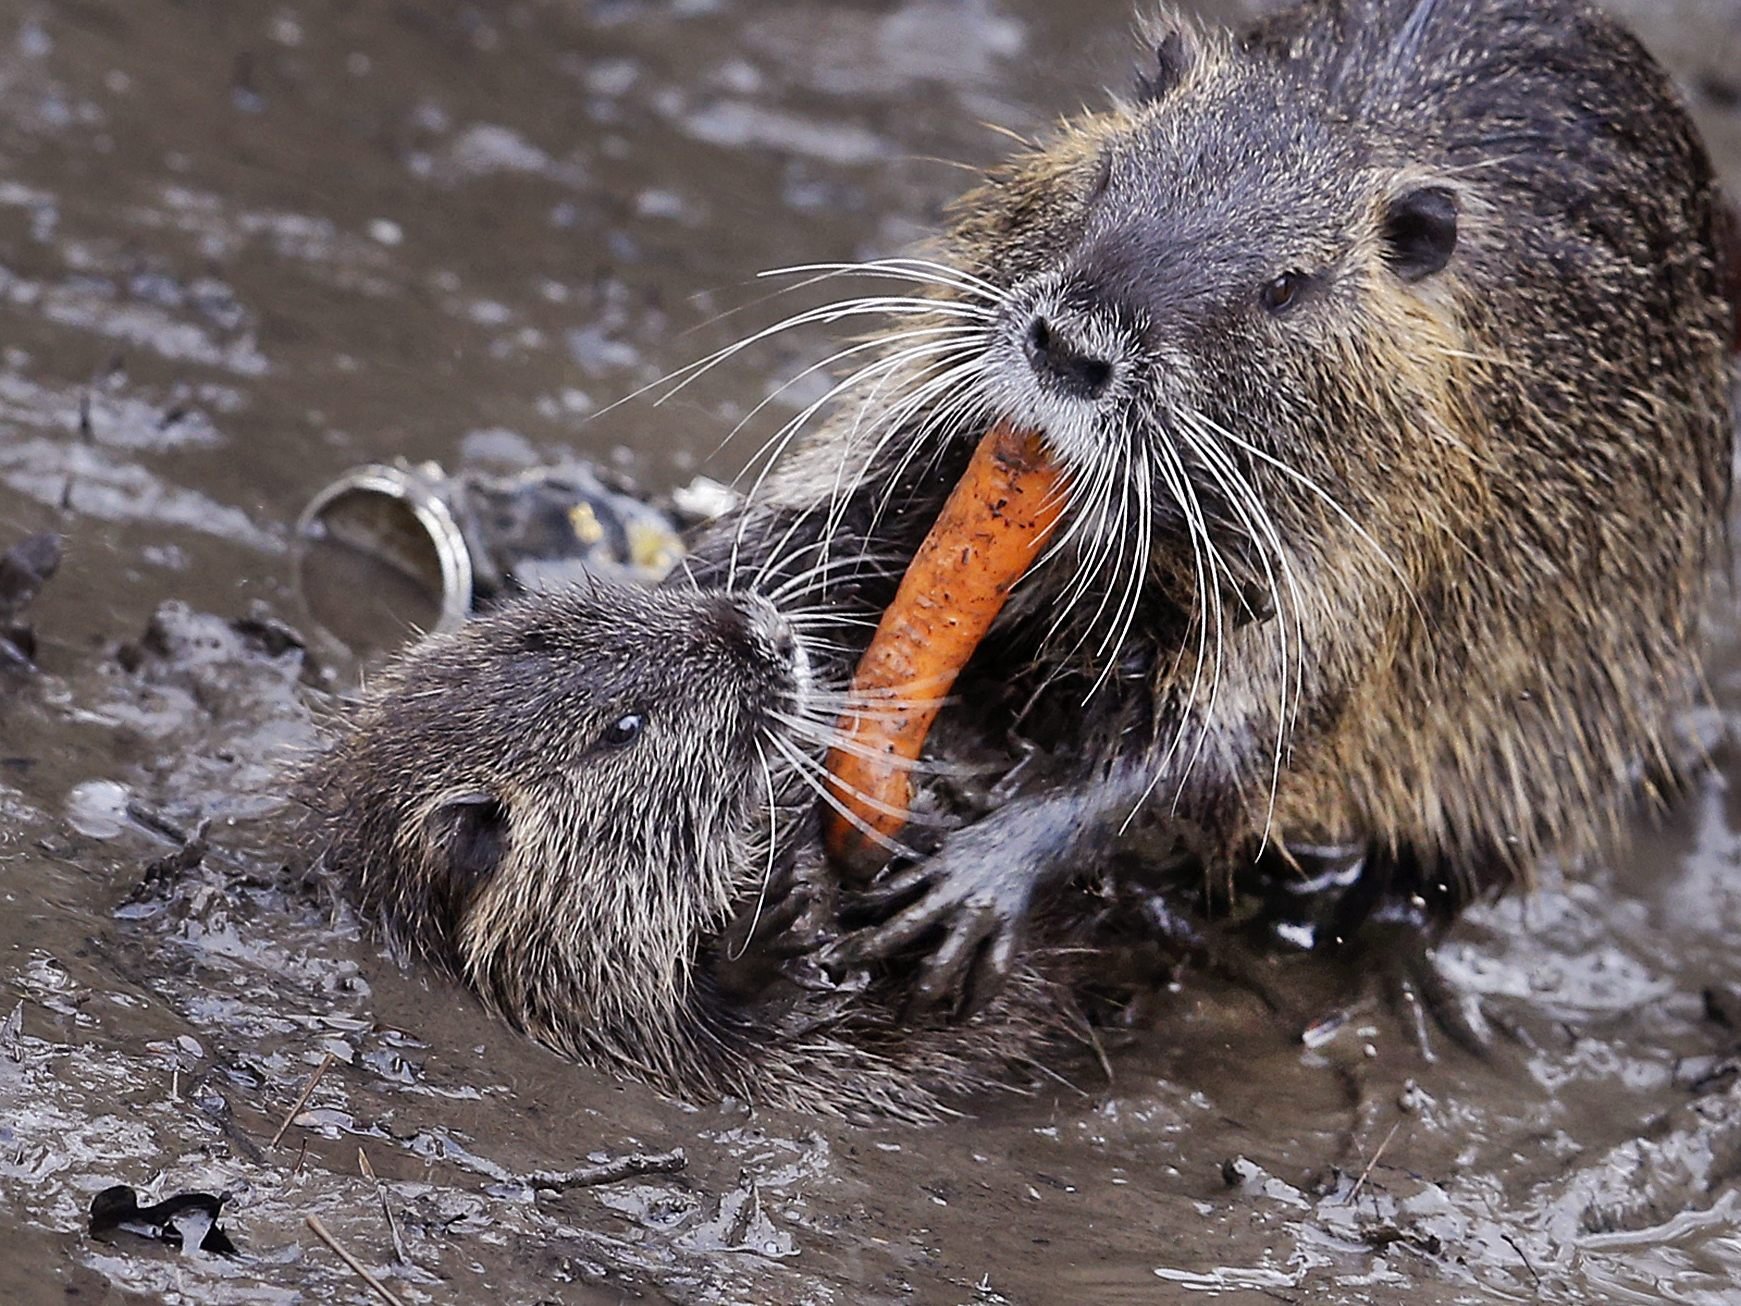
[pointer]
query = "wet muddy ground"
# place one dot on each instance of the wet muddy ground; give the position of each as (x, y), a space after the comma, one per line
(243, 247)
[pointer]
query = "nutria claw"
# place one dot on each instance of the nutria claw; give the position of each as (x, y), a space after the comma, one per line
(794, 917)
(1400, 946)
(973, 898)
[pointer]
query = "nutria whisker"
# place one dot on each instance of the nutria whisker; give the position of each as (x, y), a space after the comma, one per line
(681, 377)
(1110, 533)
(829, 314)
(1103, 525)
(803, 583)
(832, 620)
(816, 778)
(941, 343)
(828, 735)
(1323, 495)
(772, 860)
(933, 358)
(1259, 527)
(1119, 629)
(894, 702)
(952, 299)
(1090, 529)
(882, 368)
(938, 354)
(776, 580)
(955, 415)
(925, 271)
(1208, 567)
(878, 343)
(1124, 610)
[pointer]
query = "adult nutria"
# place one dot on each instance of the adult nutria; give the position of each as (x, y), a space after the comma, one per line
(574, 806)
(1384, 344)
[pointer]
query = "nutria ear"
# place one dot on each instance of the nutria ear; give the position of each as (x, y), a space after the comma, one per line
(1175, 51)
(470, 834)
(1420, 232)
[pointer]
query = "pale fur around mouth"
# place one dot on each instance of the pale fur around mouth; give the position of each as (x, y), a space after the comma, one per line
(1076, 428)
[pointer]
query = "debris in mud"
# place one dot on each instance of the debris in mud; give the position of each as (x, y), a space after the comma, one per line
(357, 1267)
(187, 1220)
(1723, 1005)
(1383, 1236)
(184, 641)
(24, 569)
(10, 1031)
(612, 1171)
(302, 1098)
(441, 547)
(171, 868)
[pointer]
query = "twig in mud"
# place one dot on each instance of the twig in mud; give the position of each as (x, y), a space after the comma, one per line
(386, 1210)
(1361, 1182)
(302, 1101)
(1524, 1257)
(357, 1267)
(158, 823)
(609, 1172)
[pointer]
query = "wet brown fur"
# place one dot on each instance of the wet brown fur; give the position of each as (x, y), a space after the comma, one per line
(1538, 439)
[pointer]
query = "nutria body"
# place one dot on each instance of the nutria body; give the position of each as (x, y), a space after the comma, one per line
(568, 803)
(1386, 348)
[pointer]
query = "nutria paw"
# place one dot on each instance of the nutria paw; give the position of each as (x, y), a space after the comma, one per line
(1399, 947)
(972, 899)
(795, 915)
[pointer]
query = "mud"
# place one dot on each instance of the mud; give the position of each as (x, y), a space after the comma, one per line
(244, 247)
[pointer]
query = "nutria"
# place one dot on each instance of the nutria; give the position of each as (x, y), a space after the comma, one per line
(575, 806)
(1385, 347)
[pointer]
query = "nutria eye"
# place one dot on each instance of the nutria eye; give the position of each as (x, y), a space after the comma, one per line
(625, 729)
(1172, 58)
(1284, 292)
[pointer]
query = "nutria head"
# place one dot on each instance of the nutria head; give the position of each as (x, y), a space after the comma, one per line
(1231, 303)
(566, 802)
(1363, 311)
(559, 802)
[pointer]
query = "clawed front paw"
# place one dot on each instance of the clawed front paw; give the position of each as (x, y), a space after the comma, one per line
(969, 922)
(794, 915)
(1412, 984)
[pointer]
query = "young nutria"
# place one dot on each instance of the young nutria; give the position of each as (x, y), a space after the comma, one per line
(1385, 348)
(574, 805)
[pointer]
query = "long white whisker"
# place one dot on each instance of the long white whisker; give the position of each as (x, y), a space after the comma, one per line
(806, 770)
(776, 446)
(1259, 527)
(1329, 501)
(830, 736)
(773, 847)
(923, 271)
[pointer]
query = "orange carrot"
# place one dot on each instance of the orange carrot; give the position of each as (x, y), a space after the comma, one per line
(994, 524)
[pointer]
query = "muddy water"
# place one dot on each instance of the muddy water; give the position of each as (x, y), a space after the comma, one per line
(243, 247)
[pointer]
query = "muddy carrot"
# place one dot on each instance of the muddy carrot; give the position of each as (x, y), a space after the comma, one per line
(992, 528)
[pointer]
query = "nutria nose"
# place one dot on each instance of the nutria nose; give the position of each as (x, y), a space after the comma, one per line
(1058, 360)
